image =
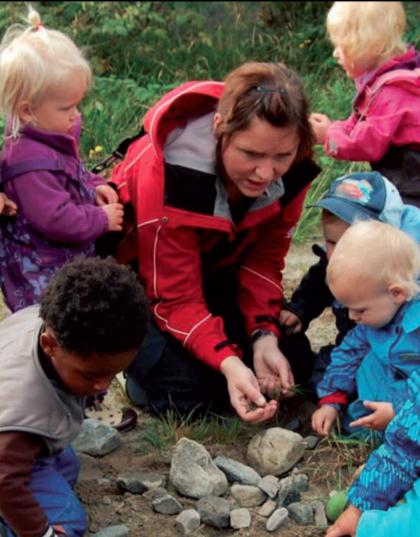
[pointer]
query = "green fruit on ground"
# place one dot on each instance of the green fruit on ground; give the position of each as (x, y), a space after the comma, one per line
(336, 505)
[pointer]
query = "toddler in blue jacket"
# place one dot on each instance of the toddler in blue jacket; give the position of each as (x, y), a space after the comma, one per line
(352, 197)
(373, 271)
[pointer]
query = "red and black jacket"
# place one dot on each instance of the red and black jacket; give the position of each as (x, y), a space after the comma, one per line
(180, 229)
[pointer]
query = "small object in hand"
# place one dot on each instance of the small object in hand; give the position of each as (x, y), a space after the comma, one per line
(252, 406)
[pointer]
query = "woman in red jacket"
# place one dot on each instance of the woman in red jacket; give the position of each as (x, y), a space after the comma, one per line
(217, 185)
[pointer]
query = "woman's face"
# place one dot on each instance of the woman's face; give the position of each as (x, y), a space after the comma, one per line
(255, 157)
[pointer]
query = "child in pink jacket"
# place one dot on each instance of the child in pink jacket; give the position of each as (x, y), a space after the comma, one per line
(384, 126)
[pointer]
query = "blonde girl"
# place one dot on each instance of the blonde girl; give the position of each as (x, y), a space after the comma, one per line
(62, 208)
(384, 126)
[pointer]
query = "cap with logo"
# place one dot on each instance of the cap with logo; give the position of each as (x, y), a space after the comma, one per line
(361, 196)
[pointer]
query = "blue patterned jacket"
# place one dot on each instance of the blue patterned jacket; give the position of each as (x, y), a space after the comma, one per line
(392, 469)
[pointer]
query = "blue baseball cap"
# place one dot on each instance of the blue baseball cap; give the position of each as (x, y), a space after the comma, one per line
(362, 196)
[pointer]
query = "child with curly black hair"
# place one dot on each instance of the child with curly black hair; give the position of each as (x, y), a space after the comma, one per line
(88, 327)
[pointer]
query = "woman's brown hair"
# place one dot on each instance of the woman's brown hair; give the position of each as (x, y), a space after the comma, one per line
(269, 91)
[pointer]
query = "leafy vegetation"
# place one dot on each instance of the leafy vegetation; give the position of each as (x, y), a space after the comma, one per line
(140, 50)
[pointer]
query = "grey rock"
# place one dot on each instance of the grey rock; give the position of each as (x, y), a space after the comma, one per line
(113, 531)
(270, 485)
(311, 441)
(139, 482)
(267, 508)
(275, 450)
(301, 513)
(248, 495)
(96, 438)
(214, 511)
(288, 492)
(320, 516)
(301, 482)
(193, 473)
(276, 519)
(237, 471)
(166, 505)
(187, 521)
(240, 518)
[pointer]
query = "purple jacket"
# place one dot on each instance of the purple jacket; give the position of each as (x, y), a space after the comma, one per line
(57, 218)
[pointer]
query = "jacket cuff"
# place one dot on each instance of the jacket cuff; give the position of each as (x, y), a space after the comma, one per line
(266, 322)
(50, 533)
(336, 398)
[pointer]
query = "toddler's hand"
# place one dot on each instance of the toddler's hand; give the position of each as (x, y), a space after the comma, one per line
(115, 214)
(323, 419)
(320, 124)
(382, 414)
(291, 321)
(105, 194)
(7, 207)
(346, 524)
(59, 530)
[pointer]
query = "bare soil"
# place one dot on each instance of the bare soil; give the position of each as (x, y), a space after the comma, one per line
(329, 466)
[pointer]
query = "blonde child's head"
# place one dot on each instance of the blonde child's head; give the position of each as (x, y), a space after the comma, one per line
(373, 270)
(367, 33)
(35, 63)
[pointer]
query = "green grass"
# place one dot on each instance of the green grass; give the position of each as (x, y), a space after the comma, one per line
(164, 432)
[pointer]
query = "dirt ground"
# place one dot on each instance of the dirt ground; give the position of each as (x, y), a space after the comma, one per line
(328, 466)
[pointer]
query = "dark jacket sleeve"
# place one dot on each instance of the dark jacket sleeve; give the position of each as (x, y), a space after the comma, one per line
(18, 507)
(312, 296)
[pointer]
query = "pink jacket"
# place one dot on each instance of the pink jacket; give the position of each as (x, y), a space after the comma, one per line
(386, 112)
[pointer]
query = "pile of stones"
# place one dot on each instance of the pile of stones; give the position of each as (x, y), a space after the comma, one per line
(228, 492)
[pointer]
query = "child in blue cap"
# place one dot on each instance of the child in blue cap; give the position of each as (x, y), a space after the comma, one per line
(353, 197)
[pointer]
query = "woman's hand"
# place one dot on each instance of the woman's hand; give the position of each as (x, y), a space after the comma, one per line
(323, 419)
(380, 417)
(272, 368)
(320, 124)
(346, 523)
(244, 391)
(105, 195)
(290, 321)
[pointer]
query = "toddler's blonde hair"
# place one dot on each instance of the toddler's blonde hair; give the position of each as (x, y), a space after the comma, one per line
(376, 254)
(33, 61)
(372, 31)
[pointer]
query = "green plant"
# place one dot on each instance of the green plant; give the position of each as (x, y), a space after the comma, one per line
(166, 430)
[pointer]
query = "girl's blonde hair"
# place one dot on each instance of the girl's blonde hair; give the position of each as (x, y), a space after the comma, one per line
(377, 254)
(33, 61)
(371, 31)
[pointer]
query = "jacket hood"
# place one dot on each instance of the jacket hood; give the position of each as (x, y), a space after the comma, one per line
(192, 99)
(408, 61)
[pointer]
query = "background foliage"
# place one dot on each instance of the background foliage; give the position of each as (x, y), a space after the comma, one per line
(140, 50)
